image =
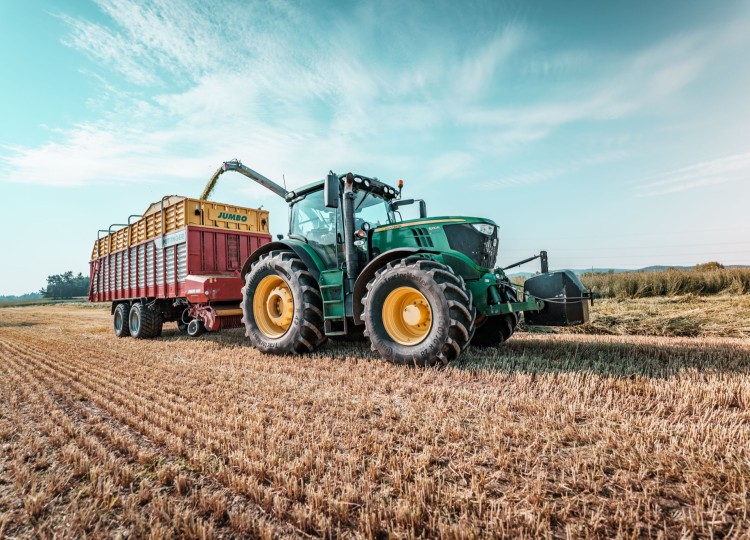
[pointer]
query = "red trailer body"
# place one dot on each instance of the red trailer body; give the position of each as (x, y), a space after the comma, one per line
(182, 258)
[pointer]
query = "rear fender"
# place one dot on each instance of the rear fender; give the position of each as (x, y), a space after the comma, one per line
(369, 271)
(309, 257)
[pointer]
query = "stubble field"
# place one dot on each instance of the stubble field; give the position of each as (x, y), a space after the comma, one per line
(563, 435)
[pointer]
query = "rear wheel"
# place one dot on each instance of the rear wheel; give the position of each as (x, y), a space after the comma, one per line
(417, 311)
(496, 329)
(143, 322)
(282, 306)
(120, 320)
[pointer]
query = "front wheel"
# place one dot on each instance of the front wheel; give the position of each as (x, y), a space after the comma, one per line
(496, 329)
(282, 307)
(417, 311)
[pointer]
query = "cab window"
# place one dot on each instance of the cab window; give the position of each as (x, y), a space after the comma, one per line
(371, 209)
(312, 220)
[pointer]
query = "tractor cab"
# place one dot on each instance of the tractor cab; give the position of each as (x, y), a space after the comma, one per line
(320, 223)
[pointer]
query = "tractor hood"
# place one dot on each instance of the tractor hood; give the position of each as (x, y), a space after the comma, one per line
(474, 239)
(435, 222)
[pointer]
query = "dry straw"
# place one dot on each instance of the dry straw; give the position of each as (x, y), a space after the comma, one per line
(550, 436)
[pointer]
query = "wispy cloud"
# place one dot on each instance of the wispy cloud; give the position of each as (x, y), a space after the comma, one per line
(152, 39)
(637, 83)
(297, 91)
(562, 169)
(476, 72)
(731, 168)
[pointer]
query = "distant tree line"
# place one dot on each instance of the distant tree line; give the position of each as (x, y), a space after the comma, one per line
(66, 286)
(17, 297)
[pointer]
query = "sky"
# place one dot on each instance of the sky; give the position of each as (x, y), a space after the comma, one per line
(611, 134)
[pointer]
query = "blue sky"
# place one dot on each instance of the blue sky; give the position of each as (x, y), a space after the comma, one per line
(611, 135)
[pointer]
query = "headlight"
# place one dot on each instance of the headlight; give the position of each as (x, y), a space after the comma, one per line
(485, 228)
(367, 183)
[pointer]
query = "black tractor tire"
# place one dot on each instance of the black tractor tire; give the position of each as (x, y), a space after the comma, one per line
(120, 320)
(452, 312)
(305, 331)
(144, 323)
(497, 329)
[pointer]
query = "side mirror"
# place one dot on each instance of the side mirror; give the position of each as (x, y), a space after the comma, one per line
(403, 202)
(331, 191)
(395, 205)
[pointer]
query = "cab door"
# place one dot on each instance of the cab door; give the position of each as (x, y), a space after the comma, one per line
(319, 226)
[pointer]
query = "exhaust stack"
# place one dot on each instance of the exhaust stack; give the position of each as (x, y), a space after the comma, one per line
(352, 261)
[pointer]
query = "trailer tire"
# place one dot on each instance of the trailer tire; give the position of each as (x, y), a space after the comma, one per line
(144, 323)
(195, 328)
(120, 320)
(497, 329)
(418, 312)
(282, 306)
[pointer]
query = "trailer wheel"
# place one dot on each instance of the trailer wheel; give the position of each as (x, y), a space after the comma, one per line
(143, 322)
(120, 320)
(282, 307)
(417, 311)
(496, 329)
(195, 328)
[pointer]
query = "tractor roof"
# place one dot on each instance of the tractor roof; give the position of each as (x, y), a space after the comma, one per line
(375, 185)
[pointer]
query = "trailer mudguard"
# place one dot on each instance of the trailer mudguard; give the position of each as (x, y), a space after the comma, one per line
(314, 263)
(368, 272)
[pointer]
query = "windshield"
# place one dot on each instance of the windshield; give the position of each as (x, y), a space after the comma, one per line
(371, 209)
(313, 221)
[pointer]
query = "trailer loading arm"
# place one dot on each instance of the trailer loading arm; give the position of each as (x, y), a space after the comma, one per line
(236, 165)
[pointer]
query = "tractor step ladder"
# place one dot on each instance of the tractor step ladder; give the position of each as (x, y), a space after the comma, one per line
(334, 313)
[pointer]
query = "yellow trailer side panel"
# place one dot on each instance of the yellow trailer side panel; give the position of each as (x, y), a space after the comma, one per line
(173, 214)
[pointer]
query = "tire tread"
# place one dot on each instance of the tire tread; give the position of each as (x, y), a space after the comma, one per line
(461, 310)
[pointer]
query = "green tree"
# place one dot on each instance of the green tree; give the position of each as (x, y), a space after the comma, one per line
(66, 285)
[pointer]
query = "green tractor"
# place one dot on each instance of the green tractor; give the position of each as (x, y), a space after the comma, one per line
(422, 290)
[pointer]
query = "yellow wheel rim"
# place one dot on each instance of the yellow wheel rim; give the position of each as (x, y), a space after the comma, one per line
(407, 316)
(273, 306)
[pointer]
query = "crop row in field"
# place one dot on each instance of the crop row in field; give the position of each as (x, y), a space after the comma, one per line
(561, 435)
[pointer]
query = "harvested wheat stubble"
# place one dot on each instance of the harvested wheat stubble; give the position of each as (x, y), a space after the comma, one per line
(548, 436)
